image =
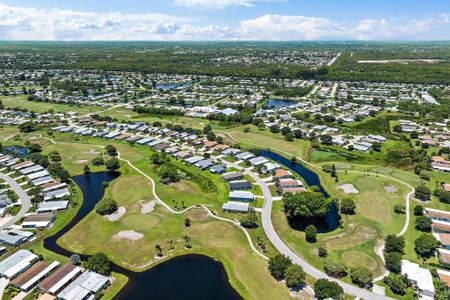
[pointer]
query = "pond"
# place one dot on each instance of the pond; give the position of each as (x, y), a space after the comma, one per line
(170, 280)
(277, 103)
(171, 86)
(17, 151)
(331, 220)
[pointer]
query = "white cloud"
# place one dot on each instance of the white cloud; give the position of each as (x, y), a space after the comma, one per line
(278, 27)
(213, 4)
(18, 23)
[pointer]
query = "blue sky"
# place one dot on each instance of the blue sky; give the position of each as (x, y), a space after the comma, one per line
(224, 20)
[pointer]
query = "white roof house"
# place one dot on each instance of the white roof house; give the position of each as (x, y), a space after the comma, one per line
(233, 206)
(36, 175)
(420, 276)
(257, 161)
(52, 206)
(85, 285)
(16, 263)
(35, 279)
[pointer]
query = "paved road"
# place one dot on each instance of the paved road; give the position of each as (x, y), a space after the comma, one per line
(272, 235)
(23, 196)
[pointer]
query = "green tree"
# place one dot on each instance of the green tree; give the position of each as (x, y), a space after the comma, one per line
(335, 269)
(86, 169)
(250, 220)
(34, 148)
(106, 206)
(418, 210)
(397, 284)
(393, 261)
(423, 223)
(99, 263)
(425, 245)
(394, 243)
(348, 206)
(168, 174)
(325, 289)
(295, 276)
(54, 156)
(112, 164)
(422, 192)
(311, 234)
(98, 161)
(361, 276)
(111, 150)
(278, 265)
(27, 127)
(305, 205)
(158, 158)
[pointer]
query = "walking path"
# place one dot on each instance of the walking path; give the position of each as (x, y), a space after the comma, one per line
(234, 222)
(23, 196)
(284, 249)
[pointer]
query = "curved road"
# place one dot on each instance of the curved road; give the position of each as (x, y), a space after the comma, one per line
(278, 243)
(23, 196)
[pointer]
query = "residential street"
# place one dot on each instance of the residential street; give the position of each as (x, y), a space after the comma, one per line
(272, 235)
(26, 201)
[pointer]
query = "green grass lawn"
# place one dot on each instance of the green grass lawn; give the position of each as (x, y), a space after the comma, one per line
(126, 114)
(265, 139)
(215, 238)
(248, 272)
(22, 102)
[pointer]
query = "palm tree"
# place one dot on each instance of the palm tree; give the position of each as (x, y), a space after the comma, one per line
(158, 250)
(170, 242)
(187, 243)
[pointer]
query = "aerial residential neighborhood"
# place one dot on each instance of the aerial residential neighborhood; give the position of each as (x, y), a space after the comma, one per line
(228, 150)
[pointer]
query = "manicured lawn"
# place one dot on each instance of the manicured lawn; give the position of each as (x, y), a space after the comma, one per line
(22, 102)
(126, 114)
(119, 283)
(265, 139)
(248, 272)
(7, 133)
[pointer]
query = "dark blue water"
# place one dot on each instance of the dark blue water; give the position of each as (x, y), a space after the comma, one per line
(195, 277)
(277, 103)
(92, 188)
(331, 220)
(171, 86)
(171, 280)
(17, 151)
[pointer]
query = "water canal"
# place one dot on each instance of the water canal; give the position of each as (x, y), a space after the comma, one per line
(277, 103)
(331, 220)
(185, 277)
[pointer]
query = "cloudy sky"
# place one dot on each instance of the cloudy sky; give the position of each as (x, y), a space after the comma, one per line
(224, 20)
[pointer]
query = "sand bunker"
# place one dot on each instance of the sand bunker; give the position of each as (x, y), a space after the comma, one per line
(92, 151)
(348, 188)
(129, 235)
(147, 207)
(390, 188)
(117, 215)
(82, 161)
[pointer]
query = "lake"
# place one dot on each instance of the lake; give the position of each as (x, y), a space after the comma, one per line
(171, 86)
(170, 280)
(331, 220)
(17, 151)
(277, 103)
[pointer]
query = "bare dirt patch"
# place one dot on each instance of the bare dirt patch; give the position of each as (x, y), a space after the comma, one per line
(390, 188)
(92, 151)
(348, 188)
(117, 215)
(147, 207)
(128, 235)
